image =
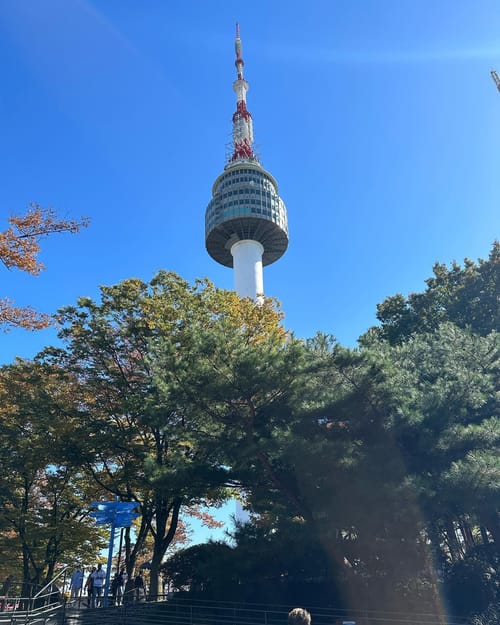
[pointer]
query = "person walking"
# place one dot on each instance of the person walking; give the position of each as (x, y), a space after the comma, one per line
(126, 596)
(5, 591)
(76, 583)
(116, 588)
(98, 577)
(89, 586)
(139, 587)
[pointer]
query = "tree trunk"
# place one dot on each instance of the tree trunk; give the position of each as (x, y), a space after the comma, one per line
(484, 535)
(131, 552)
(466, 532)
(456, 551)
(162, 539)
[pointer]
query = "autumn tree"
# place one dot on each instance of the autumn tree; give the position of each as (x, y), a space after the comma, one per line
(43, 494)
(142, 442)
(19, 249)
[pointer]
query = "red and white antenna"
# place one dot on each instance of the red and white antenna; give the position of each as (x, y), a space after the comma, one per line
(242, 119)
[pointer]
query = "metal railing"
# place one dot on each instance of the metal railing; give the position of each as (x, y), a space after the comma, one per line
(52, 582)
(46, 604)
(175, 610)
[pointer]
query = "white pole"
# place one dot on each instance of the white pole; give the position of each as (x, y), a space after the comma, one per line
(247, 265)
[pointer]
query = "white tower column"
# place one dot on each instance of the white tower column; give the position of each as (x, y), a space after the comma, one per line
(247, 266)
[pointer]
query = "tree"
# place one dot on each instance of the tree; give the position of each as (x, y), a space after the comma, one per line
(467, 296)
(443, 418)
(43, 495)
(208, 568)
(268, 563)
(448, 428)
(292, 417)
(139, 442)
(473, 583)
(19, 248)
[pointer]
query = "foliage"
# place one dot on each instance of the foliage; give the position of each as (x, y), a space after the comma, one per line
(141, 442)
(377, 451)
(473, 583)
(207, 568)
(445, 421)
(490, 616)
(305, 437)
(19, 248)
(448, 426)
(468, 296)
(238, 370)
(266, 565)
(42, 495)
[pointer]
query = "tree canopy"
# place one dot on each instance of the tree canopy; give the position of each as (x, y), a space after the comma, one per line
(468, 296)
(43, 494)
(19, 248)
(141, 439)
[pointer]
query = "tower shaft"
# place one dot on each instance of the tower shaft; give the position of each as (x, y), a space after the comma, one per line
(247, 265)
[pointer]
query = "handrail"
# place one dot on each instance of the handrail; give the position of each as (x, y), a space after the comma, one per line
(63, 570)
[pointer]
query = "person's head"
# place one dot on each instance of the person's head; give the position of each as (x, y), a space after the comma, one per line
(299, 616)
(99, 567)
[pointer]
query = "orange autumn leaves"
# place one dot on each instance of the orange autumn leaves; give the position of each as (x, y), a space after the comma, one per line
(19, 249)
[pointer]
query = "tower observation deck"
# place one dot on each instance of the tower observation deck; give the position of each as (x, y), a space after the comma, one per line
(246, 224)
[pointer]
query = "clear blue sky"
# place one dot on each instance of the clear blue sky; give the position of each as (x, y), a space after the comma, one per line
(379, 120)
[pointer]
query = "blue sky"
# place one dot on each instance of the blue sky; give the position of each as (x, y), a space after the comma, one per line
(379, 120)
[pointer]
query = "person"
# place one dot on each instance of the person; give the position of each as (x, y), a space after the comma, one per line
(299, 616)
(89, 586)
(123, 583)
(164, 585)
(116, 588)
(5, 591)
(76, 583)
(124, 598)
(98, 577)
(139, 586)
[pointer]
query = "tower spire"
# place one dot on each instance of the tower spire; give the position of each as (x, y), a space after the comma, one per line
(242, 118)
(239, 59)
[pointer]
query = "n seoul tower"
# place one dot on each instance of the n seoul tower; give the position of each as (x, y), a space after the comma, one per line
(246, 224)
